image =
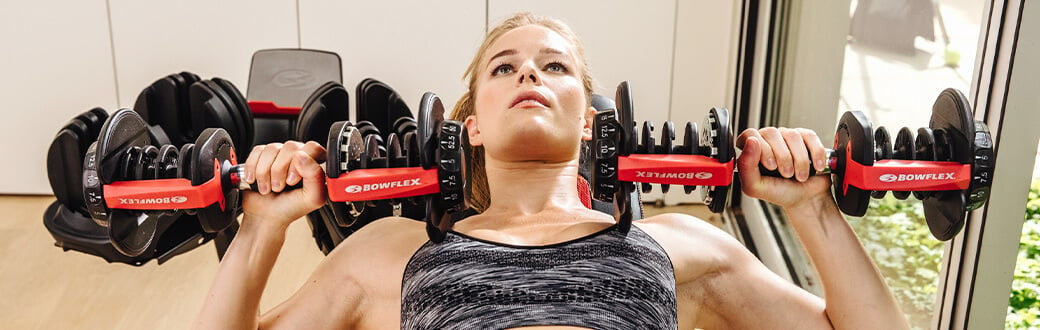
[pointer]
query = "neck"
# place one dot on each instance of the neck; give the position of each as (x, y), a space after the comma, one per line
(532, 187)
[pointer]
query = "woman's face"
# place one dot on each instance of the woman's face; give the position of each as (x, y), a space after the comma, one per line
(530, 100)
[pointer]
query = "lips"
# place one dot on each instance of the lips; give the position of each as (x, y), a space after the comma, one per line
(530, 99)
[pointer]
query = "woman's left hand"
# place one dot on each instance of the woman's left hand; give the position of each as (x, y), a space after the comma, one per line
(791, 152)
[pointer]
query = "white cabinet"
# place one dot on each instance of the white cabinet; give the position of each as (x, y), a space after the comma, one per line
(412, 46)
(210, 38)
(56, 62)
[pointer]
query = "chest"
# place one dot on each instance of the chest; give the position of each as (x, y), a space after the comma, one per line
(602, 282)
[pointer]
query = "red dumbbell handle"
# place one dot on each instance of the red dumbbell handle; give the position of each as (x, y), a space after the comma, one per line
(164, 194)
(382, 183)
(689, 170)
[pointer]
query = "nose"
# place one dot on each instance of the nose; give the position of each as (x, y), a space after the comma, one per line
(529, 74)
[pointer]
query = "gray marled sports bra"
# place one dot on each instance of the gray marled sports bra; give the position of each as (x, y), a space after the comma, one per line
(606, 280)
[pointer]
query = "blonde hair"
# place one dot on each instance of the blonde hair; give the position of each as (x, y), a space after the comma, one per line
(479, 192)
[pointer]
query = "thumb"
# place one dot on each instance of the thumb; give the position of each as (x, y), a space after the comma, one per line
(748, 161)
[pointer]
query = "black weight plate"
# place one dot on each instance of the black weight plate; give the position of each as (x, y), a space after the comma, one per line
(431, 114)
(882, 150)
(65, 170)
(394, 154)
(334, 156)
(853, 130)
(946, 211)
(148, 162)
(185, 160)
(131, 231)
(310, 107)
(345, 148)
(236, 127)
(903, 149)
(214, 147)
(82, 131)
(647, 146)
(124, 130)
(166, 163)
(689, 147)
(717, 139)
(373, 157)
(208, 110)
(667, 145)
(397, 109)
(447, 206)
(367, 129)
(102, 116)
(330, 106)
(404, 125)
(241, 106)
(924, 149)
(410, 147)
(160, 104)
(628, 142)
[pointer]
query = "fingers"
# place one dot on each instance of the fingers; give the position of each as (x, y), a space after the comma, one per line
(313, 178)
(272, 166)
(790, 151)
(816, 148)
(765, 154)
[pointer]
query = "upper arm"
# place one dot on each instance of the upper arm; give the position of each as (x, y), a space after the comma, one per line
(725, 286)
(744, 293)
(362, 270)
(330, 299)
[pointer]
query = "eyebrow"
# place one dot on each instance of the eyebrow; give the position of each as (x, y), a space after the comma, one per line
(551, 51)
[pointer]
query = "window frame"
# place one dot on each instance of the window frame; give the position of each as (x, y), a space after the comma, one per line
(977, 264)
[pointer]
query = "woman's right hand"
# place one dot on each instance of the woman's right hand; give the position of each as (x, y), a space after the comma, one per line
(274, 166)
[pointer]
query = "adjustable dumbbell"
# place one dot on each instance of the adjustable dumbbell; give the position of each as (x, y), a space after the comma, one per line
(360, 171)
(949, 165)
(621, 160)
(129, 181)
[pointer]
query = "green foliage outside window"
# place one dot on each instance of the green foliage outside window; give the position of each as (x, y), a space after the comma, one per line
(896, 236)
(1024, 305)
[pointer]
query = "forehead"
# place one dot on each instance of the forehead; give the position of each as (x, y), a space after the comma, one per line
(530, 39)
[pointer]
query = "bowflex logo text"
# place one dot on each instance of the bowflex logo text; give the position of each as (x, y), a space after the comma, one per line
(687, 175)
(160, 200)
(353, 189)
(916, 177)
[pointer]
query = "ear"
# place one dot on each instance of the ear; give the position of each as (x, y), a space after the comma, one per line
(587, 121)
(473, 131)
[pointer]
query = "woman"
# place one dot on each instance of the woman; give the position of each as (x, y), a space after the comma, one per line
(535, 256)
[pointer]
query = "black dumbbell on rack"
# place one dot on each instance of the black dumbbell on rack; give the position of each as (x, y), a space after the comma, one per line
(423, 173)
(622, 158)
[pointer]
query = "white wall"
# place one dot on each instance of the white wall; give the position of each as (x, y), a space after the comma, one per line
(62, 59)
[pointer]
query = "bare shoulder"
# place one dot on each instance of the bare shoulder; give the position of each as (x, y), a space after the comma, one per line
(695, 246)
(385, 241)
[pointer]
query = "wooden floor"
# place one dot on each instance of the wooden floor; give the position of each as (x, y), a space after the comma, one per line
(46, 288)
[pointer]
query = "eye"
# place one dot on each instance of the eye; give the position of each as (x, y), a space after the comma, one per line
(502, 69)
(555, 67)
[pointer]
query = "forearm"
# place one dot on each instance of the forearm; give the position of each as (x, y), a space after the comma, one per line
(856, 294)
(233, 301)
